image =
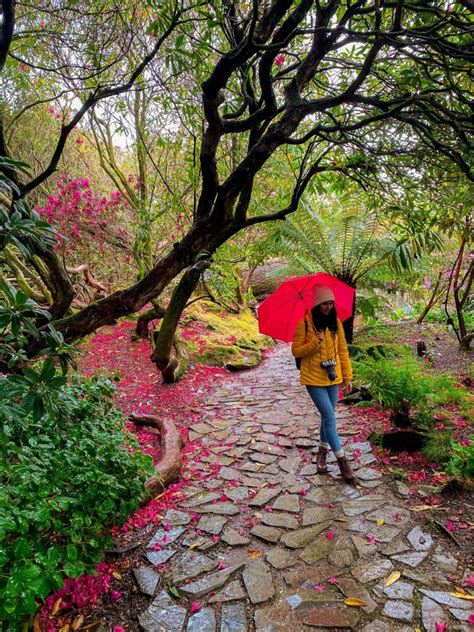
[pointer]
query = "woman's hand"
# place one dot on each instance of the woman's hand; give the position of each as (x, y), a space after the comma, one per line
(346, 387)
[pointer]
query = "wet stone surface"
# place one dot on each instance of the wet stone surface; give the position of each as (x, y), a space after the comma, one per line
(263, 543)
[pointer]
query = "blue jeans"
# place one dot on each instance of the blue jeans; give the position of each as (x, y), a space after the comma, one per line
(325, 398)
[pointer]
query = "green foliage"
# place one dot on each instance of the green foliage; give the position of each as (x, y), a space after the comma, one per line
(68, 475)
(461, 461)
(400, 385)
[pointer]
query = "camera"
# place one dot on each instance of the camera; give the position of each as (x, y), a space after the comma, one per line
(330, 366)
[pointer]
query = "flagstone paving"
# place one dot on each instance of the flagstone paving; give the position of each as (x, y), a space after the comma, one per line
(283, 546)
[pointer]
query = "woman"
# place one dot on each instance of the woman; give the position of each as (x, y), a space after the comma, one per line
(320, 342)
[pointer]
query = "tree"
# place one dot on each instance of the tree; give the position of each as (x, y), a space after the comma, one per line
(363, 90)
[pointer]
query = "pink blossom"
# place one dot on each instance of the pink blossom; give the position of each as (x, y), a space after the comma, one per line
(318, 587)
(195, 607)
(471, 619)
(115, 595)
(167, 527)
(450, 526)
(221, 566)
(215, 538)
(470, 579)
(118, 628)
(330, 535)
(280, 60)
(440, 626)
(372, 539)
(332, 580)
(302, 491)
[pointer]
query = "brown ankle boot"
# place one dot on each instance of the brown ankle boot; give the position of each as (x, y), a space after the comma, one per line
(321, 460)
(346, 470)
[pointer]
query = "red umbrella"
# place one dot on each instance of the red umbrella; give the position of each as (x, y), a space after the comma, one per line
(279, 314)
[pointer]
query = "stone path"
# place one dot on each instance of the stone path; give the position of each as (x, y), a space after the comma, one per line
(263, 543)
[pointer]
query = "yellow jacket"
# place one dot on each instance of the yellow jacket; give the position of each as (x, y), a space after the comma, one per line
(315, 347)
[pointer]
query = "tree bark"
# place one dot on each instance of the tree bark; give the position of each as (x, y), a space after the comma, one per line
(162, 352)
(141, 330)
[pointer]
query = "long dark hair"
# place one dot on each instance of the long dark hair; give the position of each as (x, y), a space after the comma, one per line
(322, 322)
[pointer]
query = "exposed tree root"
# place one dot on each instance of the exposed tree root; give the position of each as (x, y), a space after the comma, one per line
(169, 465)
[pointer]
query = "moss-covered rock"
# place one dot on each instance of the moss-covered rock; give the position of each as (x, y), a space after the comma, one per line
(377, 351)
(216, 337)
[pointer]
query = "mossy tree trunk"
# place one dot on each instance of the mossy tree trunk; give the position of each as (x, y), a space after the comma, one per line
(157, 311)
(165, 339)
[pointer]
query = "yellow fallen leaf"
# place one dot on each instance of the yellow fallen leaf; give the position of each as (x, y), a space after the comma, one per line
(65, 628)
(425, 507)
(56, 607)
(354, 601)
(78, 621)
(392, 578)
(462, 596)
(195, 545)
(380, 522)
(258, 515)
(339, 520)
(254, 554)
(417, 630)
(117, 575)
(461, 590)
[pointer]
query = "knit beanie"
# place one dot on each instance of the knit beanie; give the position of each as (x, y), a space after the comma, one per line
(322, 294)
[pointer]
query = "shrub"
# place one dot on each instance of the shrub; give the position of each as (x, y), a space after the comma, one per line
(68, 475)
(401, 387)
(461, 462)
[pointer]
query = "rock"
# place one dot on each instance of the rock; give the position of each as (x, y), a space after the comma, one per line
(350, 588)
(160, 557)
(420, 540)
(461, 615)
(304, 599)
(333, 618)
(175, 518)
(368, 474)
(202, 621)
(431, 612)
(446, 599)
(396, 516)
(280, 520)
(234, 618)
(314, 515)
(269, 534)
(258, 582)
(363, 546)
(384, 533)
(147, 579)
(168, 537)
(402, 489)
(204, 543)
(309, 470)
(290, 465)
(200, 499)
(363, 504)
(393, 548)
(212, 524)
(264, 496)
(400, 610)
(341, 557)
(373, 570)
(376, 626)
(225, 509)
(399, 590)
(191, 564)
(233, 538)
(259, 457)
(231, 592)
(316, 550)
(237, 493)
(279, 558)
(445, 561)
(287, 502)
(209, 583)
(410, 559)
(229, 474)
(301, 537)
(162, 614)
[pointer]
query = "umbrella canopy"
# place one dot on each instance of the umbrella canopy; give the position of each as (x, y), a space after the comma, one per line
(279, 314)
